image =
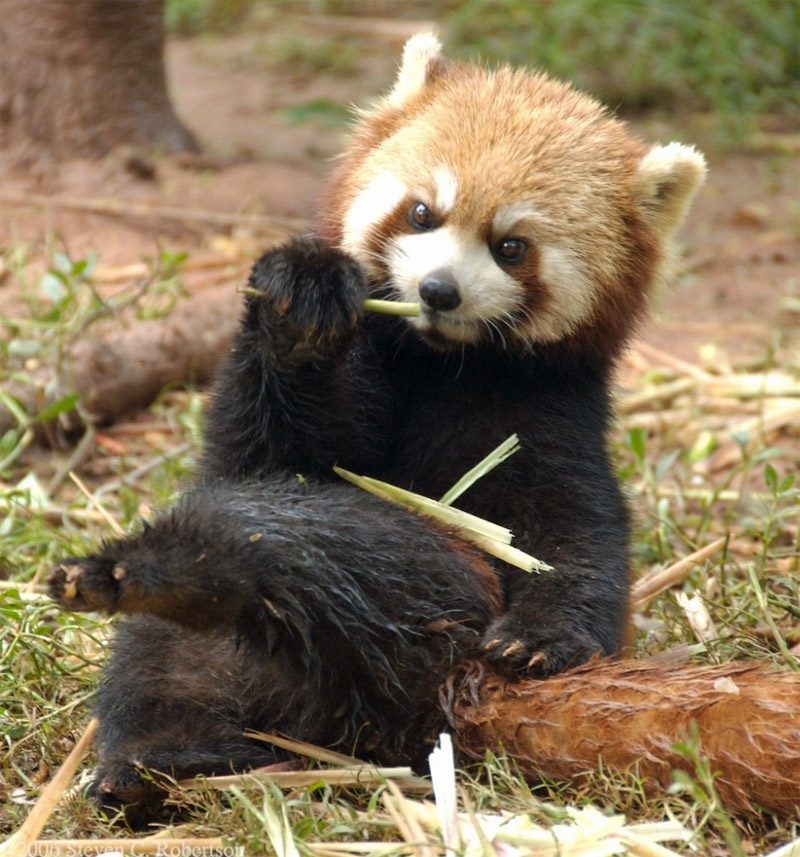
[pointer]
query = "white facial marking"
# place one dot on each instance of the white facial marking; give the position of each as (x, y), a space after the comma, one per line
(571, 294)
(508, 217)
(487, 292)
(446, 185)
(378, 199)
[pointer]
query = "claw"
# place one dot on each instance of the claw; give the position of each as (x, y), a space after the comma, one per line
(514, 649)
(492, 644)
(538, 659)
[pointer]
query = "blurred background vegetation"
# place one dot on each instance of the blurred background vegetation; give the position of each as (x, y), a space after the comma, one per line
(739, 59)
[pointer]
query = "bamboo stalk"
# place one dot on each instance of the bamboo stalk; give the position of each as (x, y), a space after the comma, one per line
(53, 513)
(337, 848)
(508, 553)
(407, 825)
(303, 748)
(656, 355)
(34, 597)
(660, 393)
(497, 456)
(708, 495)
(96, 503)
(19, 843)
(755, 428)
(420, 503)
(642, 847)
(366, 775)
(754, 385)
(489, 537)
(370, 304)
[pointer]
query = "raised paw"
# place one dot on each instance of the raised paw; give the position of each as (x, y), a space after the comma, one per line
(89, 583)
(307, 291)
(515, 651)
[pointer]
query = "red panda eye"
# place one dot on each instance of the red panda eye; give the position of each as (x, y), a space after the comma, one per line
(511, 251)
(420, 216)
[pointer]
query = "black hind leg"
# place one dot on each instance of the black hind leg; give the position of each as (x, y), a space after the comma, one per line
(173, 703)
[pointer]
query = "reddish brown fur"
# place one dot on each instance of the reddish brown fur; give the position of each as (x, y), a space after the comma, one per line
(629, 715)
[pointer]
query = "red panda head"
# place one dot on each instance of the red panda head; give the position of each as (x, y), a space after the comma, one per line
(511, 206)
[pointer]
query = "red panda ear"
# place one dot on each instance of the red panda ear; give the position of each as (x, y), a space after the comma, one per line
(666, 181)
(422, 61)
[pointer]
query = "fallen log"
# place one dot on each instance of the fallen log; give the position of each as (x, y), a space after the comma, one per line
(119, 370)
(123, 371)
(628, 715)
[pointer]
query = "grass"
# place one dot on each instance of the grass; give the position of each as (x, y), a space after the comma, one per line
(188, 17)
(692, 476)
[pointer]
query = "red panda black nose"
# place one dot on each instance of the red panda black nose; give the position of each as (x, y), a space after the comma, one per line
(439, 291)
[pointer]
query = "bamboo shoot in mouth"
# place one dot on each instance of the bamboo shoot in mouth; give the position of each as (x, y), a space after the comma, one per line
(409, 308)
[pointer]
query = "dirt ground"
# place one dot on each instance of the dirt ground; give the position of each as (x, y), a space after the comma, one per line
(741, 260)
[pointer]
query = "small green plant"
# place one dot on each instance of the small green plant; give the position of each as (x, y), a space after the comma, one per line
(307, 56)
(700, 788)
(320, 110)
(188, 17)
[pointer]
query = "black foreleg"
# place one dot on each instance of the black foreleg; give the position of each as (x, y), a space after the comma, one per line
(300, 390)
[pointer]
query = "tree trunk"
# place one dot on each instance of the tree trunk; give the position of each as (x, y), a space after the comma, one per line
(79, 77)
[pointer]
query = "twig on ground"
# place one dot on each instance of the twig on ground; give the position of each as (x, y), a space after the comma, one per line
(652, 584)
(20, 843)
(95, 502)
(282, 226)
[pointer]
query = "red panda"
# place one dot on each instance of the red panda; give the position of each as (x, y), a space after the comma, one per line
(531, 227)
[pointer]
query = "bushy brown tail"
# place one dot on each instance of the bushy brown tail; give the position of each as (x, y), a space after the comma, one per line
(630, 714)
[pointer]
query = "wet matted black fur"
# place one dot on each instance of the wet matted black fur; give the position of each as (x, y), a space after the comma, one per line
(300, 604)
